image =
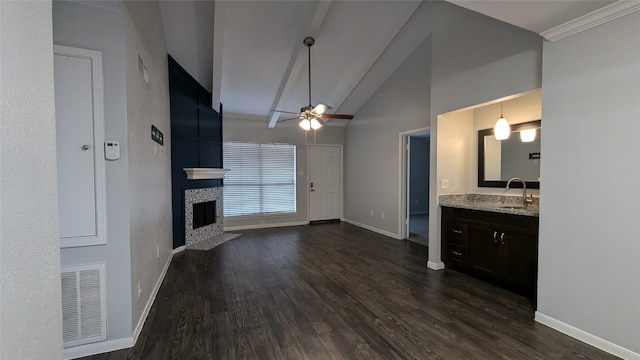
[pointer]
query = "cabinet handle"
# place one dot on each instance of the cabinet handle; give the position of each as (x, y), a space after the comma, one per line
(457, 231)
(457, 253)
(495, 237)
(502, 239)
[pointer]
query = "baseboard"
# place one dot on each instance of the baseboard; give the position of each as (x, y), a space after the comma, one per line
(374, 229)
(152, 298)
(433, 265)
(97, 348)
(264, 226)
(124, 343)
(586, 337)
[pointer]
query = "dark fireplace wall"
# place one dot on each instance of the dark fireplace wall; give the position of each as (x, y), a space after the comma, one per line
(196, 140)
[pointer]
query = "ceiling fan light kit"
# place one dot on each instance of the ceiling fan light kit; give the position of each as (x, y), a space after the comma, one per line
(311, 117)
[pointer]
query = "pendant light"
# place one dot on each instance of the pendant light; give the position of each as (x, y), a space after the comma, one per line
(502, 130)
(528, 135)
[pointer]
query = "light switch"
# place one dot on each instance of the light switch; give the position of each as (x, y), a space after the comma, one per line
(445, 184)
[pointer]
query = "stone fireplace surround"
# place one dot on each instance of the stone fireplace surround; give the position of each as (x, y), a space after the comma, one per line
(209, 236)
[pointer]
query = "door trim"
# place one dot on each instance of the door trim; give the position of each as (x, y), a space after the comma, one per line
(403, 181)
(340, 147)
(98, 136)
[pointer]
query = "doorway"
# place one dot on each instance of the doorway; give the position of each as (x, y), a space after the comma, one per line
(415, 214)
(325, 182)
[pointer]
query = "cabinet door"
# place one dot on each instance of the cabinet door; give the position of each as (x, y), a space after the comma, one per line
(519, 259)
(484, 252)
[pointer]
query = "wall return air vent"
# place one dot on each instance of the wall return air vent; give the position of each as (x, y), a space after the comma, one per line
(205, 173)
(84, 309)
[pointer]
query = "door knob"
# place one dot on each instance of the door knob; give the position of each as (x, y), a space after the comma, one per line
(85, 147)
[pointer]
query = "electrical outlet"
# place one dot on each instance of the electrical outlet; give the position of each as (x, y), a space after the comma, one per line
(158, 251)
(445, 184)
(382, 215)
(139, 288)
(371, 212)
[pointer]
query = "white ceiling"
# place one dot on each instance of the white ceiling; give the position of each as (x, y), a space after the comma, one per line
(260, 63)
(534, 15)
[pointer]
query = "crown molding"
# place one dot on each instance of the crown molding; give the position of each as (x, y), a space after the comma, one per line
(592, 19)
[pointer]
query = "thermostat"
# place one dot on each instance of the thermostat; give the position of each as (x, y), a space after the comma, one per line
(112, 150)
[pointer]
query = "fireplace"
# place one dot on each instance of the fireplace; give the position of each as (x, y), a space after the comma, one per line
(204, 213)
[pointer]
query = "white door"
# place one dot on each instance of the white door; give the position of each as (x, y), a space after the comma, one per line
(325, 182)
(78, 99)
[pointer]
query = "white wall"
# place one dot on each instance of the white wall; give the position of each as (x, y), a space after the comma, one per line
(589, 244)
(236, 129)
(475, 59)
(372, 143)
(455, 152)
(90, 27)
(30, 300)
(149, 173)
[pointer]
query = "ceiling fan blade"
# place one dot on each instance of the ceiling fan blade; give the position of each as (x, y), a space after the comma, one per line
(295, 118)
(337, 116)
(286, 112)
(320, 109)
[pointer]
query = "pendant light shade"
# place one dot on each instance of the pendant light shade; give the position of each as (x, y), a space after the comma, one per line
(305, 124)
(502, 130)
(315, 124)
(528, 135)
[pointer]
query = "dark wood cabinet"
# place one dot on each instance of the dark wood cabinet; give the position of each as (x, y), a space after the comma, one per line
(499, 248)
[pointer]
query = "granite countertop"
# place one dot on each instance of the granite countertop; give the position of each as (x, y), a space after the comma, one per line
(494, 203)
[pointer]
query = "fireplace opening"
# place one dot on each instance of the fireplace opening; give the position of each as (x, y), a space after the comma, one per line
(204, 214)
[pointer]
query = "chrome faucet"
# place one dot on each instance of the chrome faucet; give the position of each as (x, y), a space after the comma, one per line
(525, 200)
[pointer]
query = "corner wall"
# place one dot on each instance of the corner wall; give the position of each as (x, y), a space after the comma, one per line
(30, 295)
(588, 254)
(371, 157)
(149, 173)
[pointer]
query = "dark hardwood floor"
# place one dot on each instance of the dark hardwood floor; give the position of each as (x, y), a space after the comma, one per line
(335, 291)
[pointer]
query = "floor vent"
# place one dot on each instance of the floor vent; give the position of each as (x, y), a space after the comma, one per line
(83, 304)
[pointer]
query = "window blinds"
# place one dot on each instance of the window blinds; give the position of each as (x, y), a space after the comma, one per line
(261, 180)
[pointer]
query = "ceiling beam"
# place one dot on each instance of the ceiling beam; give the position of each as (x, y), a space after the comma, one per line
(345, 87)
(218, 44)
(298, 60)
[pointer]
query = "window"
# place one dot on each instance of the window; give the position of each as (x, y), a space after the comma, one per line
(261, 180)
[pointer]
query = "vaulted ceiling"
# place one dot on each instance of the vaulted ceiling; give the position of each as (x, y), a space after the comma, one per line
(251, 56)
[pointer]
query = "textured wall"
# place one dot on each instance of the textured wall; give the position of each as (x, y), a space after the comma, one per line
(30, 309)
(149, 173)
(589, 209)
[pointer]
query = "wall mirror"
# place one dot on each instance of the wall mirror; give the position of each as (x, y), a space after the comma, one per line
(501, 160)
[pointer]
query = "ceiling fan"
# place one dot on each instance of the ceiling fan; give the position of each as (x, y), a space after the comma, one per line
(313, 117)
